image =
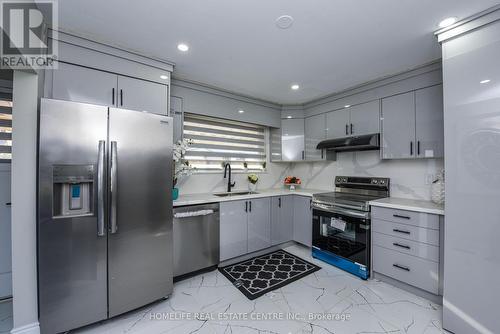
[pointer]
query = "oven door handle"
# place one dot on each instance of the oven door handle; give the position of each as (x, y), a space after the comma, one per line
(341, 211)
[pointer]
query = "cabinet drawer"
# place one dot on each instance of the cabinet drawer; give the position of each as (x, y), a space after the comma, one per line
(409, 247)
(408, 232)
(412, 270)
(414, 218)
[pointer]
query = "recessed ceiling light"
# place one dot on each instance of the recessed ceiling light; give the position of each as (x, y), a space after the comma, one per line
(164, 77)
(447, 22)
(295, 87)
(182, 47)
(347, 106)
(485, 81)
(241, 111)
(284, 21)
(288, 116)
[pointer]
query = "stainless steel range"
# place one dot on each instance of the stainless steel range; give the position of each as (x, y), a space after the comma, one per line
(341, 222)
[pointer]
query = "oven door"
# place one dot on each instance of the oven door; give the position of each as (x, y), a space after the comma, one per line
(342, 232)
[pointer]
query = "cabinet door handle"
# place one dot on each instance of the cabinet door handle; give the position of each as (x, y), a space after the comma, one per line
(8, 204)
(401, 231)
(399, 216)
(411, 148)
(250, 206)
(113, 97)
(322, 154)
(303, 155)
(279, 202)
(121, 97)
(401, 246)
(351, 129)
(418, 147)
(401, 267)
(246, 206)
(347, 129)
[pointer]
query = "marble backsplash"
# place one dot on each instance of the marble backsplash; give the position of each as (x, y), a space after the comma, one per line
(409, 178)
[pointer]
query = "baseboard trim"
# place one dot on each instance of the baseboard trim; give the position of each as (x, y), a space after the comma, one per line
(404, 286)
(33, 328)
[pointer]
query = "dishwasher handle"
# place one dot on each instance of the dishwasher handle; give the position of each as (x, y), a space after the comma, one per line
(198, 213)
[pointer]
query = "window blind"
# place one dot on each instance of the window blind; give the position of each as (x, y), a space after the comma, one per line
(216, 141)
(5, 130)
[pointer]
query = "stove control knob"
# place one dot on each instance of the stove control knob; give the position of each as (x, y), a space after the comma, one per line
(344, 180)
(374, 181)
(382, 181)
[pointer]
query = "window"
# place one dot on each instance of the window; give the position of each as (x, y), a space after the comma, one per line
(5, 129)
(217, 141)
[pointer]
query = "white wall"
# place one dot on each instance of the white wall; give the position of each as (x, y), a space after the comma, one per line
(408, 177)
(24, 155)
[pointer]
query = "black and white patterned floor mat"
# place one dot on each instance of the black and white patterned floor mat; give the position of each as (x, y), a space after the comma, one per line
(262, 274)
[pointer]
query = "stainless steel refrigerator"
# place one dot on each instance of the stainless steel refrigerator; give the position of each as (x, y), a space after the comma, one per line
(105, 212)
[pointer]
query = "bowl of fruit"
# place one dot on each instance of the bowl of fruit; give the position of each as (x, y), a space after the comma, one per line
(292, 182)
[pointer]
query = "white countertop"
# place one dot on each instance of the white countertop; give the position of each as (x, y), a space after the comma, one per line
(409, 205)
(192, 199)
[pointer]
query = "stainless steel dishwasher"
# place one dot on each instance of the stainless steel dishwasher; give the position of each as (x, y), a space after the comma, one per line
(196, 238)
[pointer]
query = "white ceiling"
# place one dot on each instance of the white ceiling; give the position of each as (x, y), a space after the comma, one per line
(235, 45)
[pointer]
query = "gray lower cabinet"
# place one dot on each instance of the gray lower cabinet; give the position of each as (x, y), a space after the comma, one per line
(281, 219)
(259, 224)
(302, 220)
(337, 124)
(233, 229)
(245, 227)
(406, 247)
(412, 124)
(292, 140)
(315, 131)
(81, 84)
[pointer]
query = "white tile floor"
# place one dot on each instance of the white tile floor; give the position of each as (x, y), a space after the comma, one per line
(371, 307)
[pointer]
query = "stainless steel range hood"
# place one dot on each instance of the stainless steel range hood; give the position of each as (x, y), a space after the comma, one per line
(349, 144)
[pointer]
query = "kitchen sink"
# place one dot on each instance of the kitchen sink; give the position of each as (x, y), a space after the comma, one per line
(235, 193)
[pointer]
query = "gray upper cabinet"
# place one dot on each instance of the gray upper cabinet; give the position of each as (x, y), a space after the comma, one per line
(233, 229)
(275, 144)
(429, 122)
(412, 124)
(281, 219)
(315, 131)
(80, 84)
(292, 146)
(302, 220)
(365, 118)
(259, 224)
(337, 124)
(398, 126)
(135, 94)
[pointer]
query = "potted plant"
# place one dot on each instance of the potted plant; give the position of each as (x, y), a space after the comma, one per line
(181, 166)
(252, 182)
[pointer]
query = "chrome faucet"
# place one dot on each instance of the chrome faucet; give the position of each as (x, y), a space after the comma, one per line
(229, 184)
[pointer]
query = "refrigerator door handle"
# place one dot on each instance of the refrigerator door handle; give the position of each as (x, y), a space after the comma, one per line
(114, 187)
(100, 188)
